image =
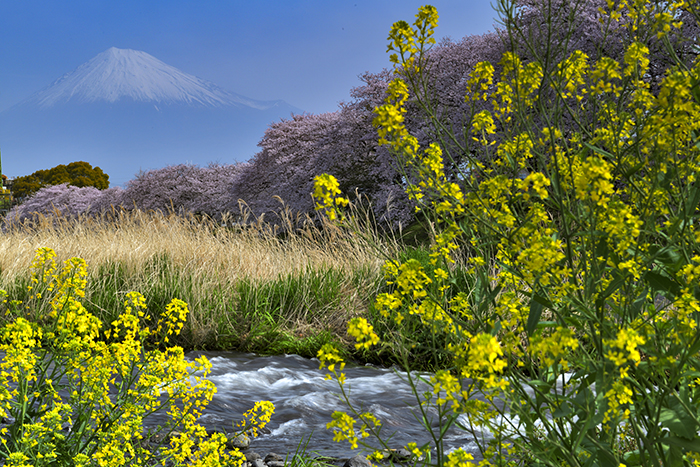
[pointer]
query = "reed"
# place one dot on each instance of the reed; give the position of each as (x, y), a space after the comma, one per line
(248, 288)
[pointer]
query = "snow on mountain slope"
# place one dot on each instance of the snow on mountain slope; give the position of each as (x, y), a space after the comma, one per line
(126, 111)
(118, 74)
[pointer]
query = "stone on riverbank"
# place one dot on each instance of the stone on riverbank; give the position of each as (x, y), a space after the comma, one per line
(357, 461)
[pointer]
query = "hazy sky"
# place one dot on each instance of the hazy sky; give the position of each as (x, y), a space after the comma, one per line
(306, 52)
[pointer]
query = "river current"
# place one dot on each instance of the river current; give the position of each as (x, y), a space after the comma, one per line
(304, 402)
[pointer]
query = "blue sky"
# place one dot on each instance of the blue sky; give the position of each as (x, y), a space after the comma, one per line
(306, 52)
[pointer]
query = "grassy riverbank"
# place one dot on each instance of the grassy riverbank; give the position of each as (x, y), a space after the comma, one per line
(247, 289)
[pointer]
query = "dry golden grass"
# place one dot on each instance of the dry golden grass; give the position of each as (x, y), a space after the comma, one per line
(133, 238)
(203, 262)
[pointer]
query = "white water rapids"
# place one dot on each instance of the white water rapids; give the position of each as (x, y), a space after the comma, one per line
(304, 401)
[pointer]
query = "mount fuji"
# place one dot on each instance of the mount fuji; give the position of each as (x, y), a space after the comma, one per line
(126, 111)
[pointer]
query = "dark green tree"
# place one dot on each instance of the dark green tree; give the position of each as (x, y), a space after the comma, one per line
(80, 174)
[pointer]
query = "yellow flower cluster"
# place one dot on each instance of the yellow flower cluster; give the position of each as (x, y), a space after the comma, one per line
(343, 426)
(483, 359)
(257, 417)
(406, 41)
(517, 88)
(549, 349)
(173, 319)
(129, 321)
(326, 191)
(460, 458)
(578, 232)
(43, 267)
(59, 372)
(480, 81)
(625, 347)
(329, 357)
(363, 332)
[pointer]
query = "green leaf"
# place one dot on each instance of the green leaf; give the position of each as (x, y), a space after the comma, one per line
(616, 283)
(674, 457)
(632, 458)
(485, 294)
(564, 410)
(638, 304)
(695, 89)
(668, 256)
(605, 457)
(584, 398)
(634, 169)
(598, 150)
(687, 444)
(675, 224)
(535, 312)
(540, 384)
(661, 283)
(547, 324)
(691, 203)
(602, 249)
(678, 422)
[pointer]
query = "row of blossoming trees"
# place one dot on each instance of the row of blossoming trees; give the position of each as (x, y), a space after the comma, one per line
(344, 143)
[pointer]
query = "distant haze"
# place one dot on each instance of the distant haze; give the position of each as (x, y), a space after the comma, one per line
(131, 74)
(307, 52)
(125, 111)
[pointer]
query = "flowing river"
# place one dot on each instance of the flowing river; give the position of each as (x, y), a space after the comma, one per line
(304, 401)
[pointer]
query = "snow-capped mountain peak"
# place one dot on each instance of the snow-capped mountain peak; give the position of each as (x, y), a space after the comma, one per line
(125, 74)
(124, 111)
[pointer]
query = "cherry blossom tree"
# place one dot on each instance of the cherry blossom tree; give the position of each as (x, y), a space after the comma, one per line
(108, 201)
(344, 143)
(64, 200)
(181, 188)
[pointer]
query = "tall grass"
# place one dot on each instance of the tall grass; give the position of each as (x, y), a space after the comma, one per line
(247, 288)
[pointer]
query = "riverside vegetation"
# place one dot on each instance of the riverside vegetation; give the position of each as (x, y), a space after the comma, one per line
(557, 300)
(76, 392)
(247, 289)
(87, 358)
(576, 339)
